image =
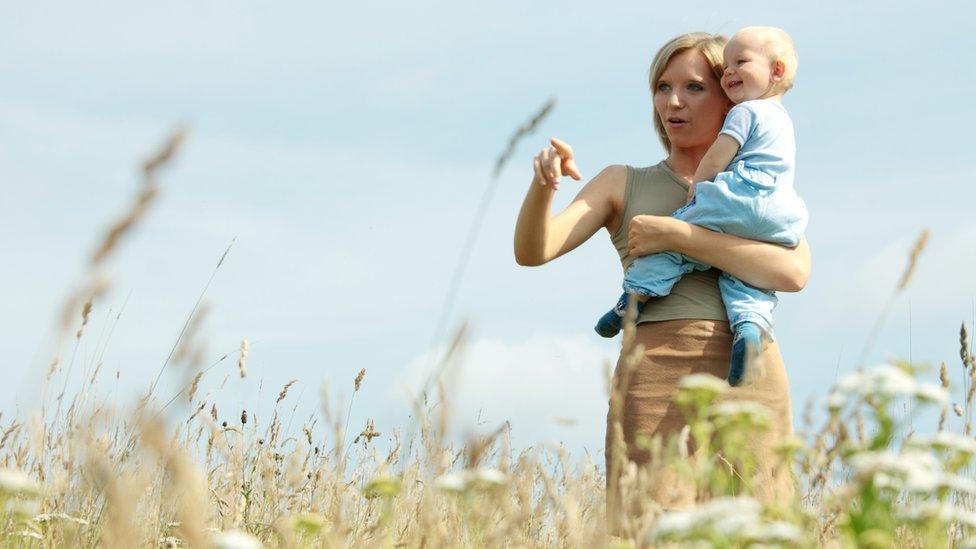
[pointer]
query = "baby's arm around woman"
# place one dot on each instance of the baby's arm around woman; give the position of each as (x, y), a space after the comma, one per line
(716, 160)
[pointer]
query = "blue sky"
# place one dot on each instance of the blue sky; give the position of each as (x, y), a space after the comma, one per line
(346, 148)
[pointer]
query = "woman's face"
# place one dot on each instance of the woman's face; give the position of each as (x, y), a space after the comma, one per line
(690, 101)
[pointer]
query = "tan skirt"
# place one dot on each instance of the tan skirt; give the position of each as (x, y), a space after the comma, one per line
(676, 348)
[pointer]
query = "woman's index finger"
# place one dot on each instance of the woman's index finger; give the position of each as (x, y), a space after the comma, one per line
(562, 147)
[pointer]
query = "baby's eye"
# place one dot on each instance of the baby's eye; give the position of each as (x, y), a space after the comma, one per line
(741, 61)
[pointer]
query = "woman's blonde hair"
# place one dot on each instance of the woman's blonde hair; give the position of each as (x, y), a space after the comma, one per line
(711, 46)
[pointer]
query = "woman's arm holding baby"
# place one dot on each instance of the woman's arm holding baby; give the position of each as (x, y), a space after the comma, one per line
(761, 264)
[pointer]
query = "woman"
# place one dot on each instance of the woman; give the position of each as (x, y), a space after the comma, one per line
(686, 332)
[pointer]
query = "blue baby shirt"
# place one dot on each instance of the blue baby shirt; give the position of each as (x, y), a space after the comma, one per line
(766, 138)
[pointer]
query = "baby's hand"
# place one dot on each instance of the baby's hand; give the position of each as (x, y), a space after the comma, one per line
(691, 191)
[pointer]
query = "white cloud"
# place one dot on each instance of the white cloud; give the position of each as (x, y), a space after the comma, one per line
(536, 383)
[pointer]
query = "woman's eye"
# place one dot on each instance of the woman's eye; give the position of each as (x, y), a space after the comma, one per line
(695, 87)
(663, 87)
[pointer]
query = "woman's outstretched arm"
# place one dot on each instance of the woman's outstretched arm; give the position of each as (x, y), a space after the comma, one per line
(760, 264)
(540, 238)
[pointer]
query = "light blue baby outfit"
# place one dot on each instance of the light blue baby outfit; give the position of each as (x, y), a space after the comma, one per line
(755, 199)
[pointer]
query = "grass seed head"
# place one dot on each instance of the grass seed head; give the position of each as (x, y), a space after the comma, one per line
(242, 360)
(359, 379)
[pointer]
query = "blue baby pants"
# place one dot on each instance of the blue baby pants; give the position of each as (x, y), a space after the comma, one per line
(743, 202)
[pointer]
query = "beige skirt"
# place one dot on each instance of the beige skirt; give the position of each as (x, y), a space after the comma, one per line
(676, 348)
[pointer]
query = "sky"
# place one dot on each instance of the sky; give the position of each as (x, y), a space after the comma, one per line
(344, 148)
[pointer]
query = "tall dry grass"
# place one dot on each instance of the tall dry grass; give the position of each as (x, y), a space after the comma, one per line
(82, 473)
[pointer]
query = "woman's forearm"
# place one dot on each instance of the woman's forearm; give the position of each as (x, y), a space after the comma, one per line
(761, 264)
(532, 224)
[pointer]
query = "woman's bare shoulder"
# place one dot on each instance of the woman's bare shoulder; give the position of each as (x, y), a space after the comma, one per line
(614, 173)
(610, 182)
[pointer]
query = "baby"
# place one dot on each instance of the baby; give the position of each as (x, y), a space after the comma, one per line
(743, 186)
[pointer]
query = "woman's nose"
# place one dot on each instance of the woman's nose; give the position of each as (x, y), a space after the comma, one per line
(674, 100)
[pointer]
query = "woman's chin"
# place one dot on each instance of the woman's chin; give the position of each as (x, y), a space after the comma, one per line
(686, 141)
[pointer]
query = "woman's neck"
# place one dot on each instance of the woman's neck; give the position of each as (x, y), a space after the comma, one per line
(683, 161)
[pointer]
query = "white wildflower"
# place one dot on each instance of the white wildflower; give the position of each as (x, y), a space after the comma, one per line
(884, 480)
(912, 470)
(959, 483)
(909, 463)
(703, 382)
(236, 539)
(728, 506)
(742, 411)
(941, 510)
(727, 515)
(673, 523)
(921, 480)
(836, 400)
(15, 481)
(480, 478)
(928, 481)
(452, 482)
(945, 441)
(890, 381)
(885, 380)
(930, 392)
(488, 477)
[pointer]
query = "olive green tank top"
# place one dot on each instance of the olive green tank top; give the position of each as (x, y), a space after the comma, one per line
(656, 190)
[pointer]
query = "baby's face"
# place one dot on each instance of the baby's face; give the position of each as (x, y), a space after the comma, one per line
(748, 70)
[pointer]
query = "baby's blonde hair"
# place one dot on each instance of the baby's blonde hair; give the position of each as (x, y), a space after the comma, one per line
(778, 46)
(710, 45)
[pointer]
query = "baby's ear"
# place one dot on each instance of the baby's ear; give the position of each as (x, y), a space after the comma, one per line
(779, 69)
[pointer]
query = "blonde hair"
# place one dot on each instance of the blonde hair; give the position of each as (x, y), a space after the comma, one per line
(711, 46)
(778, 46)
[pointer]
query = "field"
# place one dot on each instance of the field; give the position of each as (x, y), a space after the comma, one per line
(78, 472)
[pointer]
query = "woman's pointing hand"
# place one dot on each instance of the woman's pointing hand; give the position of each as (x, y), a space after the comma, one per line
(554, 162)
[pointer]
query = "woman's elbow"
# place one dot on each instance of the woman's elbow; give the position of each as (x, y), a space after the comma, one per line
(528, 260)
(795, 280)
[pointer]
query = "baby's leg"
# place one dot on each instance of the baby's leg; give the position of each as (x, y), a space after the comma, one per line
(656, 274)
(648, 276)
(750, 312)
(785, 218)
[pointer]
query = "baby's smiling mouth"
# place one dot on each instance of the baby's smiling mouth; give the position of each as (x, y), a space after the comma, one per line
(734, 84)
